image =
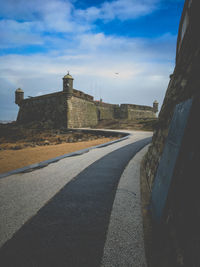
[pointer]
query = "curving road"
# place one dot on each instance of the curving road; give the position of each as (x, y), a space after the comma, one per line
(59, 215)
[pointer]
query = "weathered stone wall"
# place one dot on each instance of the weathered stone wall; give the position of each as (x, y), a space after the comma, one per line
(140, 112)
(105, 111)
(48, 109)
(81, 113)
(80, 94)
(122, 112)
(178, 233)
(73, 108)
(184, 83)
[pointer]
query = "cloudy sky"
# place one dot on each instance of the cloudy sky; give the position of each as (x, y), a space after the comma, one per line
(42, 39)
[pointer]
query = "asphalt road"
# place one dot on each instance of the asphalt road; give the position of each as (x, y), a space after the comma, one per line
(59, 215)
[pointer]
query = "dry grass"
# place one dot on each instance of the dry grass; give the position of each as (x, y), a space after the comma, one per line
(13, 159)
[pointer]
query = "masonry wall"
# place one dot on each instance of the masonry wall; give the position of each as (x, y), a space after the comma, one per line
(81, 113)
(179, 232)
(105, 111)
(140, 112)
(49, 109)
(183, 84)
(76, 109)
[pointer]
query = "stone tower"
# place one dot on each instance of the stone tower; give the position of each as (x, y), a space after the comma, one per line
(155, 106)
(68, 84)
(19, 96)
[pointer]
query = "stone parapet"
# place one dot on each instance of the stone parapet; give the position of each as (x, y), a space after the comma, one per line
(73, 108)
(82, 95)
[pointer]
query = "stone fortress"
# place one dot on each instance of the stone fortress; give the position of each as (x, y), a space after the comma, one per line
(72, 108)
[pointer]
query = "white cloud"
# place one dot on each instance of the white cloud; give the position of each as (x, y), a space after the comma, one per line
(14, 34)
(143, 71)
(27, 22)
(32, 10)
(92, 58)
(120, 9)
(56, 16)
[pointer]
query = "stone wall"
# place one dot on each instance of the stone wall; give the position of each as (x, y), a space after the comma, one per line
(183, 84)
(176, 239)
(140, 112)
(48, 109)
(105, 111)
(80, 94)
(73, 108)
(81, 113)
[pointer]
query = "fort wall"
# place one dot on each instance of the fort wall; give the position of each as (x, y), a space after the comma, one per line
(72, 108)
(81, 113)
(132, 112)
(105, 111)
(48, 109)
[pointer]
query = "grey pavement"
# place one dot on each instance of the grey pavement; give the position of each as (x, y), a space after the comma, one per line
(124, 245)
(22, 196)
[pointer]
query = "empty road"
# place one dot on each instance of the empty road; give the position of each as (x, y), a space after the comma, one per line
(59, 215)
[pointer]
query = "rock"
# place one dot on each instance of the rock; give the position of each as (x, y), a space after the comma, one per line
(70, 140)
(46, 142)
(16, 147)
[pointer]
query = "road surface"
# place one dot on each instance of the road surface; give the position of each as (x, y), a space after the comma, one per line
(59, 215)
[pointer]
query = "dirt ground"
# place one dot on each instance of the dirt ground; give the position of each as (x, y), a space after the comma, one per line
(13, 159)
(22, 145)
(137, 124)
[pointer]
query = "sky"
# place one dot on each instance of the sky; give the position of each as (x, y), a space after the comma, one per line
(122, 51)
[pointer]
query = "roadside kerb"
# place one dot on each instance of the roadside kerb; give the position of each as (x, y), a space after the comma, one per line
(45, 163)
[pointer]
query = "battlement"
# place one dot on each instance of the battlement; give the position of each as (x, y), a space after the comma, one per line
(35, 98)
(138, 107)
(82, 95)
(103, 104)
(73, 108)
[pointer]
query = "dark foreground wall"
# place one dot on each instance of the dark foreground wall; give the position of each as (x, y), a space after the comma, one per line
(184, 82)
(177, 230)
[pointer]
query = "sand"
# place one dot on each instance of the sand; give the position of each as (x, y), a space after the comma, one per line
(14, 159)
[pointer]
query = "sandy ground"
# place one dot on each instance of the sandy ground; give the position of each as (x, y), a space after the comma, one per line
(14, 159)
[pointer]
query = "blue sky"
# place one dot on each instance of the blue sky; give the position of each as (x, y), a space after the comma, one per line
(41, 40)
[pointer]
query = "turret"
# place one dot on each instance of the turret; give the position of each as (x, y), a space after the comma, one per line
(155, 106)
(68, 84)
(19, 96)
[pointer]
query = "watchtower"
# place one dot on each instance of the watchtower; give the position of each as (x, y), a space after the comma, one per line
(68, 84)
(155, 106)
(19, 96)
